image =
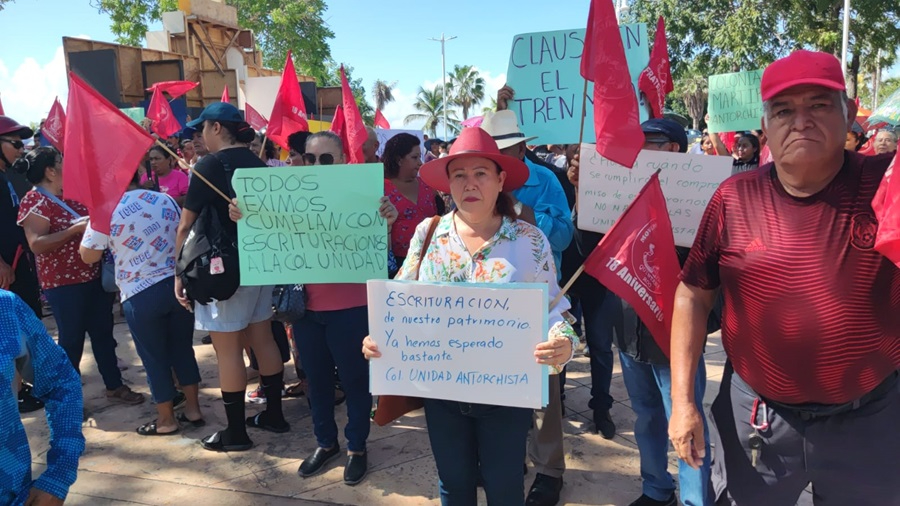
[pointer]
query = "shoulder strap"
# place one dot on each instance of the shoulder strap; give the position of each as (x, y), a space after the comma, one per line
(56, 200)
(229, 170)
(432, 226)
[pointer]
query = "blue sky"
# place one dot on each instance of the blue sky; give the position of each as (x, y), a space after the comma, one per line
(386, 39)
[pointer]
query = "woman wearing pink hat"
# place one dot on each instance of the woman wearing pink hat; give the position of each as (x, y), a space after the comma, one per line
(482, 242)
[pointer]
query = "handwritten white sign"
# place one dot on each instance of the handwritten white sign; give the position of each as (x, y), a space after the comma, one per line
(688, 181)
(385, 135)
(460, 342)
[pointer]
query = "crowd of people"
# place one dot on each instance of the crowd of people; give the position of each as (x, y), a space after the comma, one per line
(783, 263)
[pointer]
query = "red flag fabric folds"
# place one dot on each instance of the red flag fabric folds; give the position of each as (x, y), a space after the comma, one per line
(1, 110)
(353, 123)
(160, 113)
(656, 80)
(289, 112)
(636, 260)
(256, 120)
(338, 127)
(94, 174)
(175, 89)
(886, 205)
(225, 97)
(617, 122)
(54, 129)
(381, 121)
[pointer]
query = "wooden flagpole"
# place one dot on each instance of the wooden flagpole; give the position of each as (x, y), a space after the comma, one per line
(186, 165)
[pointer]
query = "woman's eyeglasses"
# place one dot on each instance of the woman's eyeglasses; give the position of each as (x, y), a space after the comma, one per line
(324, 159)
(15, 144)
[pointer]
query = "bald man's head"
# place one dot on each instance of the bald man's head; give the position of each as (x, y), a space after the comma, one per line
(370, 147)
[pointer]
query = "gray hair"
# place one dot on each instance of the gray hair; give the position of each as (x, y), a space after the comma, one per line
(326, 134)
(842, 98)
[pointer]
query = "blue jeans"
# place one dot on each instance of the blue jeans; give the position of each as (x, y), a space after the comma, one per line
(650, 390)
(468, 437)
(602, 317)
(163, 333)
(85, 308)
(326, 339)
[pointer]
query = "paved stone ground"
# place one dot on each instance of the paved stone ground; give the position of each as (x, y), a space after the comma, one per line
(120, 467)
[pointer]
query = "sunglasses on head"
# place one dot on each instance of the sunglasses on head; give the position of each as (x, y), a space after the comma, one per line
(16, 144)
(324, 159)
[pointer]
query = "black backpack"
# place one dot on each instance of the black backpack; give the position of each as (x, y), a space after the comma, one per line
(206, 242)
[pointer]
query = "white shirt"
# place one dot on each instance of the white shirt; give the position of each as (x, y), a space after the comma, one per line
(142, 240)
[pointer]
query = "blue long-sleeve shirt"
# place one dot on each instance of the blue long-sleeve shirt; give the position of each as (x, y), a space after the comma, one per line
(23, 338)
(543, 193)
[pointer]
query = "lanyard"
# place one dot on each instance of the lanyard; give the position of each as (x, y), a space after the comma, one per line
(56, 200)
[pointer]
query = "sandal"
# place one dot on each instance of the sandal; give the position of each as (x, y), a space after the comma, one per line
(298, 390)
(149, 429)
(257, 422)
(124, 395)
(193, 423)
(214, 443)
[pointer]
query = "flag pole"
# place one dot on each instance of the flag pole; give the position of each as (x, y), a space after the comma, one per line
(185, 165)
(583, 113)
(262, 149)
(565, 289)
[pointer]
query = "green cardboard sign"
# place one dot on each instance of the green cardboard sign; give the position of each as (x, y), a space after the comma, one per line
(135, 113)
(315, 224)
(545, 72)
(735, 103)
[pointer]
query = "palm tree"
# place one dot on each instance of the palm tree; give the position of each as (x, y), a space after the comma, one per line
(383, 93)
(430, 104)
(693, 91)
(466, 87)
(492, 107)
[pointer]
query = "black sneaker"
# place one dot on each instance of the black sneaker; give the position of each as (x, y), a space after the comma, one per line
(544, 491)
(28, 402)
(207, 339)
(604, 424)
(644, 500)
(356, 468)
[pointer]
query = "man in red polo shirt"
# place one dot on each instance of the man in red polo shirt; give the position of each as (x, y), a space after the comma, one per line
(811, 321)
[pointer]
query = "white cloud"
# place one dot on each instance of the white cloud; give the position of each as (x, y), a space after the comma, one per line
(405, 97)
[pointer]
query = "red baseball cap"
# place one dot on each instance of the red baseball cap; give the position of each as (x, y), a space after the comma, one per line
(802, 67)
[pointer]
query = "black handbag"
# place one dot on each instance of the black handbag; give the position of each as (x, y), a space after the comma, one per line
(289, 303)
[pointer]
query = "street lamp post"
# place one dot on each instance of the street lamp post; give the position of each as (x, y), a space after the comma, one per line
(443, 40)
(845, 39)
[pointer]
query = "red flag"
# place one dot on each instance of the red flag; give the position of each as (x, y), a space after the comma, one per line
(225, 97)
(96, 175)
(617, 122)
(886, 205)
(338, 125)
(656, 80)
(353, 124)
(636, 260)
(289, 112)
(1, 110)
(175, 89)
(54, 129)
(160, 113)
(381, 121)
(256, 120)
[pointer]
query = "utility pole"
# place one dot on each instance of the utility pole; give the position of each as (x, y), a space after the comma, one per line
(846, 38)
(443, 40)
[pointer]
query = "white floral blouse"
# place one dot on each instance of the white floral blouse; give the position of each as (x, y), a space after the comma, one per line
(517, 253)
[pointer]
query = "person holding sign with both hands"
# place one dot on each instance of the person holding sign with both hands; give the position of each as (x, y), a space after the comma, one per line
(482, 242)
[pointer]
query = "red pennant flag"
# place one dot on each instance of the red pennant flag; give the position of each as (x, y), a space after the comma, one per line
(617, 122)
(256, 120)
(289, 112)
(1, 110)
(636, 260)
(175, 89)
(381, 121)
(160, 113)
(353, 123)
(96, 175)
(338, 125)
(54, 129)
(886, 205)
(225, 97)
(656, 80)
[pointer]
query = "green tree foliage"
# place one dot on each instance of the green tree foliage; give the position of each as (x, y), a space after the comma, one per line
(3, 2)
(430, 104)
(279, 25)
(466, 87)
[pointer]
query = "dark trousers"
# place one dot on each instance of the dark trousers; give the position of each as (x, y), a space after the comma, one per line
(326, 339)
(602, 316)
(468, 438)
(850, 458)
(26, 284)
(163, 333)
(85, 308)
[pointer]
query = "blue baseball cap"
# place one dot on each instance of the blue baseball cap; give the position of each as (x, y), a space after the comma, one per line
(218, 111)
(669, 129)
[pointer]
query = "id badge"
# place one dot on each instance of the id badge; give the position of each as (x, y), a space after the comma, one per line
(216, 266)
